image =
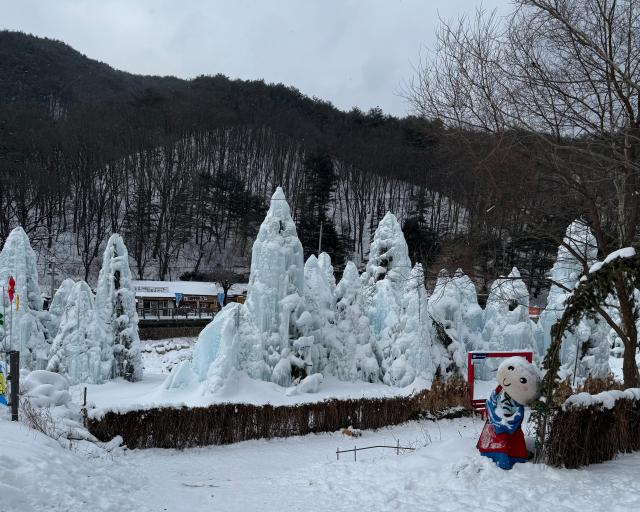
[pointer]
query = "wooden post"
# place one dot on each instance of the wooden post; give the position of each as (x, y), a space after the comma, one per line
(397, 449)
(85, 396)
(355, 451)
(337, 453)
(14, 376)
(4, 319)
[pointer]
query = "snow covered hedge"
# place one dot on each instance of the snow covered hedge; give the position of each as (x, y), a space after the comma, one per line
(589, 429)
(183, 427)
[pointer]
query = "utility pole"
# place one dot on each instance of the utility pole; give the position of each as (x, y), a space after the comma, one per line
(52, 272)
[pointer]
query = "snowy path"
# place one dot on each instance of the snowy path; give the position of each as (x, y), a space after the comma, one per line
(445, 475)
(37, 474)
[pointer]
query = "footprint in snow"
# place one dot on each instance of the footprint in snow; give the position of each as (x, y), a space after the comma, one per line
(198, 484)
(467, 468)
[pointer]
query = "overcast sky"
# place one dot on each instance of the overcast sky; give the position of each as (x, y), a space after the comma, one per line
(346, 51)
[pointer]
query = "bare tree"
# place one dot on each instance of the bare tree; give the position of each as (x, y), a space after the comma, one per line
(559, 81)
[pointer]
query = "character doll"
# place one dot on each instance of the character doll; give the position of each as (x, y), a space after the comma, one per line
(502, 439)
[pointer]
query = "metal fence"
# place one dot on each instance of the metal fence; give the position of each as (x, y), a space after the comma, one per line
(175, 313)
(355, 450)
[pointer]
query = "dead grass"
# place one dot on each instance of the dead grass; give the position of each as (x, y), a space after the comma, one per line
(577, 437)
(38, 418)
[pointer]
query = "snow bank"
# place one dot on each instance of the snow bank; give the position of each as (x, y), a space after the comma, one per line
(45, 389)
(625, 252)
(46, 405)
(121, 396)
(40, 474)
(310, 384)
(605, 400)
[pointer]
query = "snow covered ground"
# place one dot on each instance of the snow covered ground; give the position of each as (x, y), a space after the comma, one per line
(444, 473)
(120, 395)
(160, 357)
(38, 474)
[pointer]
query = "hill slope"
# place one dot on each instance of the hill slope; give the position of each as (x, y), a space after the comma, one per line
(41, 70)
(184, 168)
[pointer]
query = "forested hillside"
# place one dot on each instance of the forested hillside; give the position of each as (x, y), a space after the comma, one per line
(183, 169)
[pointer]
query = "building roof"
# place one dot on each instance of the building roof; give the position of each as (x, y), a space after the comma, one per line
(238, 289)
(168, 289)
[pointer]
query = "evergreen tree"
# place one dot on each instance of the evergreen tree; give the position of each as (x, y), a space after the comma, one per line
(423, 242)
(320, 179)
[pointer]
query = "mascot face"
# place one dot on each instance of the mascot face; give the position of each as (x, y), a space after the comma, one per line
(519, 379)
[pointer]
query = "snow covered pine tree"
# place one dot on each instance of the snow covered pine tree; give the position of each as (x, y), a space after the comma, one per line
(116, 320)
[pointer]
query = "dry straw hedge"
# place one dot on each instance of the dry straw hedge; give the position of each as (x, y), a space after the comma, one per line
(579, 436)
(184, 427)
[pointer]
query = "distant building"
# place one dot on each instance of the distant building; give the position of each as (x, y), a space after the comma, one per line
(169, 298)
(534, 312)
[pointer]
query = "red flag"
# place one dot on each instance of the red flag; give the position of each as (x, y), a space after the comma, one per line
(12, 288)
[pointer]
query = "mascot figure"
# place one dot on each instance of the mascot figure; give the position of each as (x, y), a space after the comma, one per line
(502, 439)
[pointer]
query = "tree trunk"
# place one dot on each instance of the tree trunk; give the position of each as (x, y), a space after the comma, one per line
(629, 365)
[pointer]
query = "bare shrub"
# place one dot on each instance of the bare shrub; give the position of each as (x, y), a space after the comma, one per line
(171, 427)
(39, 418)
(588, 435)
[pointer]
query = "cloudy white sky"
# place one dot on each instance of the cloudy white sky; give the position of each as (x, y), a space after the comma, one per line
(349, 52)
